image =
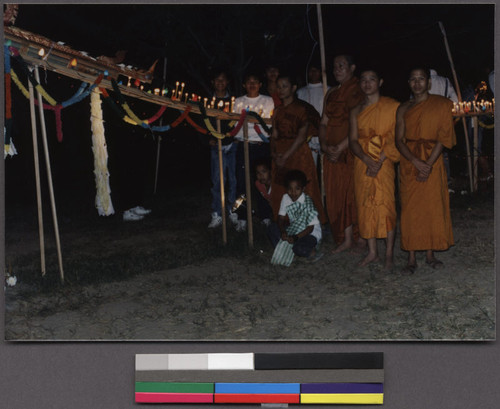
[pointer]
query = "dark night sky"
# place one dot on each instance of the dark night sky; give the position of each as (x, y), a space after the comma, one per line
(193, 38)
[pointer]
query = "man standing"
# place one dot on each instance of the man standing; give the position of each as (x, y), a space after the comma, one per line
(424, 125)
(338, 163)
(371, 140)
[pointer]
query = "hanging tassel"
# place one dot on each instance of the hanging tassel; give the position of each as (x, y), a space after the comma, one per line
(103, 196)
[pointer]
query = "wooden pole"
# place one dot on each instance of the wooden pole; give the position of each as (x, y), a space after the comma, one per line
(247, 184)
(476, 156)
(161, 123)
(49, 177)
(325, 88)
(221, 179)
(459, 94)
(37, 177)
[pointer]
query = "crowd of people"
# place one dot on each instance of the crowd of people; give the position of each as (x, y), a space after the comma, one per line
(361, 136)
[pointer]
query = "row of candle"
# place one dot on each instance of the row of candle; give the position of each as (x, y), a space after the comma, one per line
(474, 106)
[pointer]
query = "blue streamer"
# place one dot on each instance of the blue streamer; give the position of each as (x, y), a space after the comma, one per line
(6, 59)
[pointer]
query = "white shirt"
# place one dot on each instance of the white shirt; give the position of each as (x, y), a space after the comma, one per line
(287, 201)
(442, 86)
(313, 93)
(262, 105)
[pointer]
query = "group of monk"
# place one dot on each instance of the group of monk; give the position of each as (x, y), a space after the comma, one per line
(362, 136)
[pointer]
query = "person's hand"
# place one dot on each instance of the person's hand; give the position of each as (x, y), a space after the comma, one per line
(372, 167)
(333, 153)
(421, 177)
(424, 169)
(284, 236)
(290, 239)
(280, 160)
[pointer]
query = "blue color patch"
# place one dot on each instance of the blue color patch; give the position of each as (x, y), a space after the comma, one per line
(257, 388)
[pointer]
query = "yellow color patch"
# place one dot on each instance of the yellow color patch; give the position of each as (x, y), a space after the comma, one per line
(349, 398)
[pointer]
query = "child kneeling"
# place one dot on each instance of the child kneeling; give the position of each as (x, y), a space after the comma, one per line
(298, 231)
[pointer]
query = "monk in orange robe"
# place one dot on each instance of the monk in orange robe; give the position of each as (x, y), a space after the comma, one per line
(371, 140)
(293, 121)
(338, 160)
(424, 124)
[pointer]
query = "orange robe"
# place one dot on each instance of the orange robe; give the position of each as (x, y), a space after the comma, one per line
(375, 200)
(338, 177)
(425, 206)
(288, 120)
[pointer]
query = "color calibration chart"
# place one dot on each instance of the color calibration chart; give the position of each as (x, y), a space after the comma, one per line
(260, 378)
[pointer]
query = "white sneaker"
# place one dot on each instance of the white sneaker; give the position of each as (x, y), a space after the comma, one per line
(140, 210)
(215, 222)
(233, 218)
(131, 216)
(242, 225)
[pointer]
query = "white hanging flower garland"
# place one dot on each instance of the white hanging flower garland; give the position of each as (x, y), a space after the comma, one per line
(103, 196)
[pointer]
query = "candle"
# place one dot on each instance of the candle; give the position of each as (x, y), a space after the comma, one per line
(205, 102)
(186, 100)
(128, 83)
(41, 53)
(182, 89)
(226, 107)
(157, 91)
(220, 104)
(174, 95)
(232, 104)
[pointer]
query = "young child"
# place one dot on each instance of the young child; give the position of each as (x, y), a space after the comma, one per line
(298, 231)
(263, 186)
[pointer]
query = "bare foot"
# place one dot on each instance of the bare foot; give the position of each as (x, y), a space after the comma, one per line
(344, 246)
(409, 269)
(434, 263)
(389, 264)
(370, 258)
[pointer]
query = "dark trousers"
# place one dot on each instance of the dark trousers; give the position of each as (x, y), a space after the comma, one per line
(302, 248)
(255, 151)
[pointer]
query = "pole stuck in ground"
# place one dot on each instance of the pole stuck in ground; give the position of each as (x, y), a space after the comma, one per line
(459, 94)
(37, 177)
(247, 184)
(221, 183)
(49, 176)
(325, 88)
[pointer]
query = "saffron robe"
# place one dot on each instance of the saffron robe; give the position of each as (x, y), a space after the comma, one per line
(425, 206)
(339, 177)
(375, 201)
(288, 120)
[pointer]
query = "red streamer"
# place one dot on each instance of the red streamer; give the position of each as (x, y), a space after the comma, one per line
(181, 117)
(196, 126)
(157, 115)
(239, 124)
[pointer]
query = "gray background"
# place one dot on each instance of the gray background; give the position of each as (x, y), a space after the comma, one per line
(101, 375)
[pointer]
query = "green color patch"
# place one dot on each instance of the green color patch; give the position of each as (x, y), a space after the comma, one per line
(174, 387)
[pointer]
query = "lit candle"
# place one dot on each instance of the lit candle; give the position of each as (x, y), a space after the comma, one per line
(226, 107)
(142, 87)
(186, 99)
(182, 88)
(73, 62)
(220, 105)
(232, 104)
(157, 91)
(205, 102)
(41, 53)
(128, 83)
(174, 95)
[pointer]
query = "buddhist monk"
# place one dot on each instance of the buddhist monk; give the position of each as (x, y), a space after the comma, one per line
(338, 160)
(293, 121)
(424, 124)
(371, 140)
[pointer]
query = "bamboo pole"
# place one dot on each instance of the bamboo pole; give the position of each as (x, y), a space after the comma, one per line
(247, 184)
(37, 177)
(476, 156)
(221, 183)
(459, 94)
(161, 123)
(325, 88)
(49, 177)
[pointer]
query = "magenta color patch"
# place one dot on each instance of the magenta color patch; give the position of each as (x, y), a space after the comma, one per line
(147, 397)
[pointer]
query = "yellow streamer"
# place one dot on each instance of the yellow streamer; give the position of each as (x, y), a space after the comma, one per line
(129, 121)
(19, 84)
(47, 97)
(131, 114)
(212, 130)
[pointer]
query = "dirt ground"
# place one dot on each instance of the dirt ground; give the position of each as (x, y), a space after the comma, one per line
(160, 279)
